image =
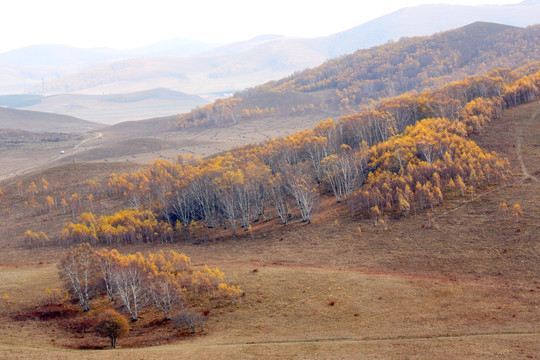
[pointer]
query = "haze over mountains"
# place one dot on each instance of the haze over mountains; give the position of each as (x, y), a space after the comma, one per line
(109, 109)
(196, 68)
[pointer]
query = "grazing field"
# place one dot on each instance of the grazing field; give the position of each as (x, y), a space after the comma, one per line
(467, 286)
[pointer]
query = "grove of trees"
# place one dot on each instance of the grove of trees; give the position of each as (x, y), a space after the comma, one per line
(399, 157)
(163, 281)
(402, 155)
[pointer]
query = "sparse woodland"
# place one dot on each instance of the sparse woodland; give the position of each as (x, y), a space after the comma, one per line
(162, 280)
(402, 156)
(160, 283)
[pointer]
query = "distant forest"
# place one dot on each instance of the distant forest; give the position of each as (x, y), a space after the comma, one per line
(352, 83)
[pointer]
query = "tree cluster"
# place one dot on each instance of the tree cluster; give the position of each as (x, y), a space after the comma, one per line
(163, 280)
(221, 112)
(128, 226)
(384, 158)
(411, 171)
(402, 155)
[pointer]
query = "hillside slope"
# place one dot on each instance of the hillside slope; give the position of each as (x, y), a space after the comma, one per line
(42, 121)
(336, 288)
(349, 83)
(341, 86)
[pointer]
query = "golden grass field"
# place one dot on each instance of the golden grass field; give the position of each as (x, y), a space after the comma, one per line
(468, 287)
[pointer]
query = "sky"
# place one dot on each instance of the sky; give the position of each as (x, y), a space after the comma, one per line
(125, 24)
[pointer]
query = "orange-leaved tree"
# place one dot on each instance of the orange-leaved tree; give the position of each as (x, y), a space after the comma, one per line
(112, 325)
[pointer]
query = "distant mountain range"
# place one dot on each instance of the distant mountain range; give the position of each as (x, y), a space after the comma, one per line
(73, 57)
(199, 68)
(427, 20)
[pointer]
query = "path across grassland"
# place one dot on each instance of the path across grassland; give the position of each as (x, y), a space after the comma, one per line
(49, 160)
(526, 173)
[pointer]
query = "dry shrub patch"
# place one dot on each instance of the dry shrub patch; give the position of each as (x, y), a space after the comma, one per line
(78, 328)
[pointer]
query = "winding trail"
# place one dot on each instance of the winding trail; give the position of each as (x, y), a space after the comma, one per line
(524, 170)
(98, 136)
(526, 173)
(49, 160)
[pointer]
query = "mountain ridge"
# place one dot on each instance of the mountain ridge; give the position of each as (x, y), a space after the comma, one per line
(251, 62)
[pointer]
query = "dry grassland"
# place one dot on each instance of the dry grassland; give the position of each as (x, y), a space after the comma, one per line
(143, 141)
(469, 287)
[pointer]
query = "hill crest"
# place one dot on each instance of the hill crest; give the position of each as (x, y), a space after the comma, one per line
(42, 121)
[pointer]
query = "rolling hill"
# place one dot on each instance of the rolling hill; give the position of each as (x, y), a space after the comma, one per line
(29, 69)
(114, 108)
(42, 121)
(349, 83)
(234, 68)
(459, 280)
(409, 229)
(197, 68)
(338, 87)
(75, 58)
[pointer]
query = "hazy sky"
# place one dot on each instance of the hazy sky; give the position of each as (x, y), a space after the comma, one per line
(131, 23)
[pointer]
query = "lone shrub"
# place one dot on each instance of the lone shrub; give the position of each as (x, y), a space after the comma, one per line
(187, 320)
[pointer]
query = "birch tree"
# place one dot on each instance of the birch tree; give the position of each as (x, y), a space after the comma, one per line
(78, 271)
(131, 285)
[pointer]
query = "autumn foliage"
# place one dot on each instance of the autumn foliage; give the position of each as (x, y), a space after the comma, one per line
(163, 281)
(112, 325)
(352, 82)
(401, 156)
(129, 226)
